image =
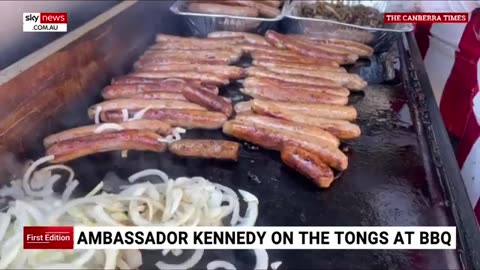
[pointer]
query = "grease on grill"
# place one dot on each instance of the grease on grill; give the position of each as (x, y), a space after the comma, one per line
(358, 15)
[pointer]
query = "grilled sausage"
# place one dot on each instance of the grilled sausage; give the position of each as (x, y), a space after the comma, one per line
(219, 9)
(185, 118)
(347, 46)
(308, 164)
(231, 54)
(215, 149)
(292, 86)
(201, 42)
(264, 10)
(279, 125)
(156, 126)
(318, 110)
(141, 140)
(170, 83)
(273, 3)
(230, 72)
(162, 61)
(208, 100)
(304, 48)
(139, 104)
(292, 95)
(249, 37)
(300, 59)
(205, 77)
(340, 128)
(262, 72)
(159, 96)
(269, 139)
(351, 81)
(266, 63)
(130, 90)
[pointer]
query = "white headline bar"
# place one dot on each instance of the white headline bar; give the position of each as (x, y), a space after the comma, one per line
(265, 238)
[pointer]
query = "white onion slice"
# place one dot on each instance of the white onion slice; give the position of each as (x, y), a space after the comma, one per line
(191, 262)
(275, 265)
(28, 173)
(5, 219)
(159, 173)
(180, 130)
(262, 259)
(139, 115)
(67, 193)
(111, 258)
(213, 265)
(107, 126)
(251, 213)
(133, 257)
(99, 214)
(98, 110)
(177, 252)
(125, 115)
(124, 153)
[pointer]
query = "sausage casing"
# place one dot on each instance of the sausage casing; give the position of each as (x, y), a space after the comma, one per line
(215, 149)
(308, 164)
(212, 8)
(249, 37)
(263, 72)
(208, 100)
(294, 86)
(230, 72)
(175, 85)
(141, 140)
(279, 63)
(205, 77)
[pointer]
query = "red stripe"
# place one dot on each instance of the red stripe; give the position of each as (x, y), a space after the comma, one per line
(471, 135)
(456, 101)
(422, 32)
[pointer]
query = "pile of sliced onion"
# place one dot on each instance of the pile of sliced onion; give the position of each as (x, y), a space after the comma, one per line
(185, 201)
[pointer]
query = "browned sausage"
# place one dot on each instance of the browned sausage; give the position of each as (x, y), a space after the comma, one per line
(230, 72)
(294, 59)
(170, 83)
(141, 140)
(139, 104)
(351, 81)
(304, 48)
(215, 149)
(340, 128)
(156, 126)
(347, 46)
(263, 72)
(208, 100)
(162, 61)
(205, 77)
(219, 9)
(232, 54)
(318, 110)
(201, 42)
(279, 125)
(273, 3)
(274, 83)
(185, 118)
(270, 139)
(159, 95)
(264, 10)
(249, 37)
(159, 58)
(308, 164)
(278, 63)
(131, 90)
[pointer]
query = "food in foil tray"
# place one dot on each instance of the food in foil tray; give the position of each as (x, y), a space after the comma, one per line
(243, 8)
(358, 15)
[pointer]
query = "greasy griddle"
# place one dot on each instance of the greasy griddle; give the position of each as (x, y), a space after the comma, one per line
(387, 183)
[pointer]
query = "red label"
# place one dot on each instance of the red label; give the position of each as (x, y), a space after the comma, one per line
(425, 17)
(47, 237)
(53, 17)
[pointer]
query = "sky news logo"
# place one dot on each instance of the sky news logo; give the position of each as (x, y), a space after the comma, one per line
(45, 22)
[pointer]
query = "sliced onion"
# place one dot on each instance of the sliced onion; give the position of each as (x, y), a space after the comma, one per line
(139, 115)
(252, 209)
(180, 130)
(5, 219)
(98, 110)
(85, 257)
(67, 193)
(213, 265)
(275, 265)
(148, 172)
(99, 214)
(111, 258)
(28, 174)
(262, 259)
(191, 262)
(125, 115)
(107, 126)
(133, 257)
(177, 252)
(124, 154)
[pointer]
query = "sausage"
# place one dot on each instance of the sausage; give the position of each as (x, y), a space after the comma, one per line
(158, 95)
(162, 61)
(318, 110)
(232, 54)
(248, 48)
(263, 72)
(279, 125)
(186, 118)
(300, 59)
(326, 49)
(273, 3)
(219, 9)
(249, 37)
(269, 139)
(208, 100)
(244, 107)
(141, 140)
(156, 126)
(308, 164)
(292, 95)
(139, 104)
(292, 86)
(347, 45)
(151, 58)
(230, 72)
(215, 149)
(264, 10)
(130, 90)
(301, 47)
(340, 128)
(205, 77)
(172, 83)
(204, 42)
(351, 81)
(266, 63)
